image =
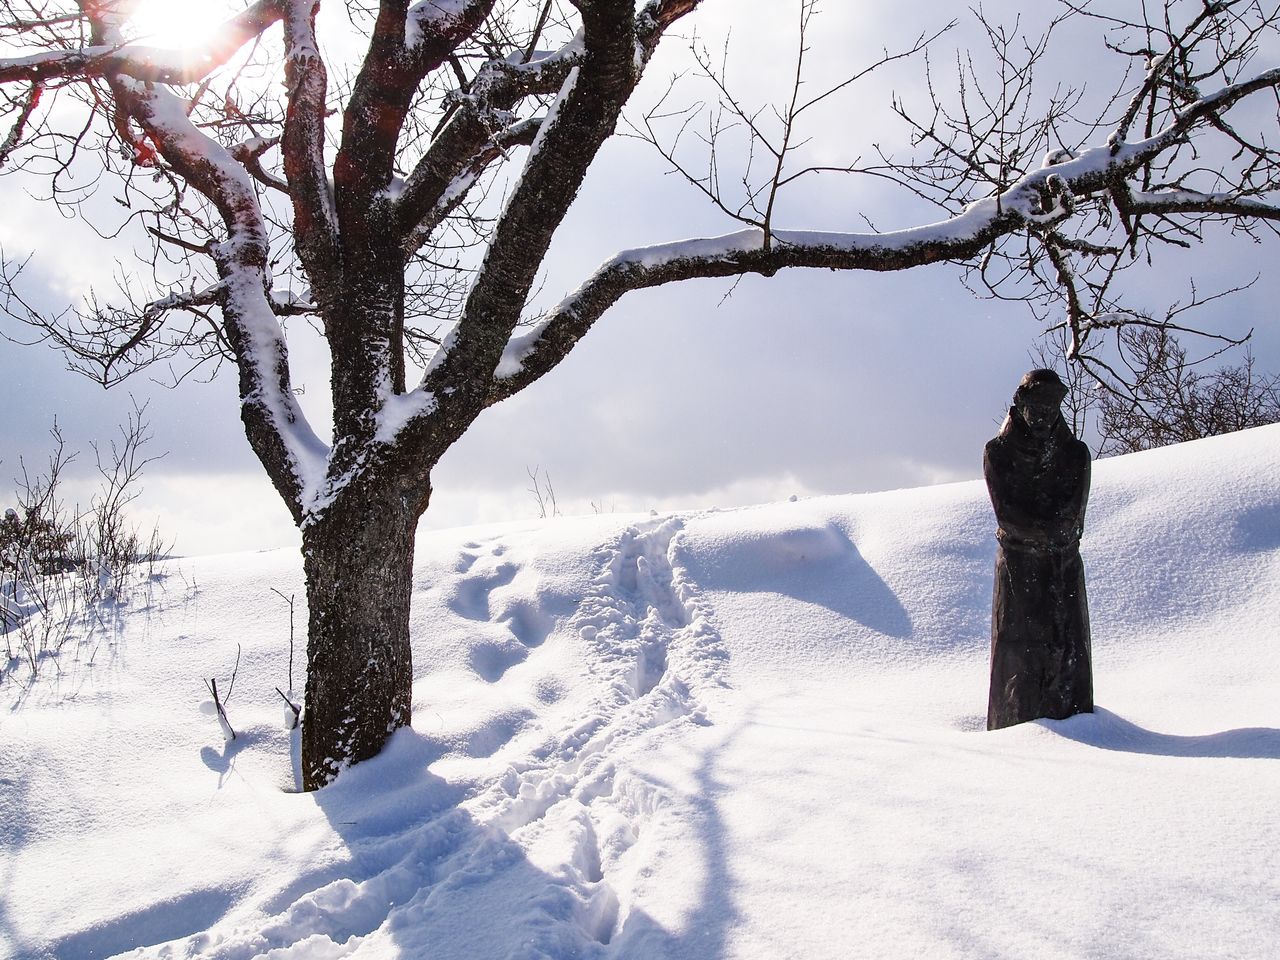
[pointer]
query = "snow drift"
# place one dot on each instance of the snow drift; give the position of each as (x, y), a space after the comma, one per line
(754, 733)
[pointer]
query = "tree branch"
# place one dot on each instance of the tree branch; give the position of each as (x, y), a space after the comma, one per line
(142, 62)
(583, 117)
(407, 44)
(478, 120)
(1037, 201)
(315, 222)
(274, 423)
(453, 193)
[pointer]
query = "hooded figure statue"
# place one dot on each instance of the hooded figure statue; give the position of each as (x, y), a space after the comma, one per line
(1037, 473)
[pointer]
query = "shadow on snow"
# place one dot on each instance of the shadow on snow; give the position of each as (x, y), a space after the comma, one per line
(1109, 731)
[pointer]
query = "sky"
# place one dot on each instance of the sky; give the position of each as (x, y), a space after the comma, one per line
(694, 395)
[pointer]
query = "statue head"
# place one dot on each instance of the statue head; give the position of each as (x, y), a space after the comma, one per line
(1038, 401)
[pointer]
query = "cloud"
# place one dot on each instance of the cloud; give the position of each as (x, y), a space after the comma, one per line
(215, 512)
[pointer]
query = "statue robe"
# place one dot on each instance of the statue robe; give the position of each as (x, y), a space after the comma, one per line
(1040, 655)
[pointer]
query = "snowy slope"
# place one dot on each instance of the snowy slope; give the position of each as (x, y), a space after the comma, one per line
(754, 733)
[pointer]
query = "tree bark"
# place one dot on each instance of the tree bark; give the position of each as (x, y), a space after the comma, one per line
(358, 559)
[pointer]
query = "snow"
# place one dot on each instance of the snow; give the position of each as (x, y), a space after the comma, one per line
(517, 351)
(549, 121)
(155, 60)
(400, 408)
(540, 61)
(965, 225)
(754, 733)
(429, 16)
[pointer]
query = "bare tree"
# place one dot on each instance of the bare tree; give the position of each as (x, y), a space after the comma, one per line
(1151, 392)
(544, 493)
(1179, 167)
(364, 224)
(1080, 405)
(1171, 398)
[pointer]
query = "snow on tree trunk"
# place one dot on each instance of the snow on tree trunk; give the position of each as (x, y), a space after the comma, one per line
(359, 563)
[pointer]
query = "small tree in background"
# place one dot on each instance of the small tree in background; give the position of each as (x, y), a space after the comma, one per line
(57, 565)
(1146, 391)
(38, 535)
(1169, 398)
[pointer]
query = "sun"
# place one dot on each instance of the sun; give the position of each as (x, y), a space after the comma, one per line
(177, 24)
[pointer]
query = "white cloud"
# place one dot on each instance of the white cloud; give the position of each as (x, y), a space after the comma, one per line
(214, 512)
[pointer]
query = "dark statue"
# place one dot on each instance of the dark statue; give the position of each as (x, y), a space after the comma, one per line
(1038, 476)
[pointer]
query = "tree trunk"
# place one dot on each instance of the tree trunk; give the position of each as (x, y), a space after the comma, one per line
(358, 560)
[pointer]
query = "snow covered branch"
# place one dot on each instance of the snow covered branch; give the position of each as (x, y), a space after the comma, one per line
(139, 61)
(532, 355)
(1165, 202)
(250, 154)
(1196, 114)
(465, 176)
(315, 222)
(275, 424)
(1184, 161)
(480, 128)
(583, 116)
(404, 48)
(1037, 202)
(432, 26)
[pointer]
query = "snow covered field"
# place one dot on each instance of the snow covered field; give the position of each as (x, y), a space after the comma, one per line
(754, 733)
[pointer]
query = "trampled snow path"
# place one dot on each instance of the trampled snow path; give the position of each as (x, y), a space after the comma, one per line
(653, 651)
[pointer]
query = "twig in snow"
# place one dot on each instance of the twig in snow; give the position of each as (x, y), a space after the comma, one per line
(297, 710)
(227, 732)
(212, 685)
(289, 600)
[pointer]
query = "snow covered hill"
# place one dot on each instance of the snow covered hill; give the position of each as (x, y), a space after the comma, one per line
(754, 733)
